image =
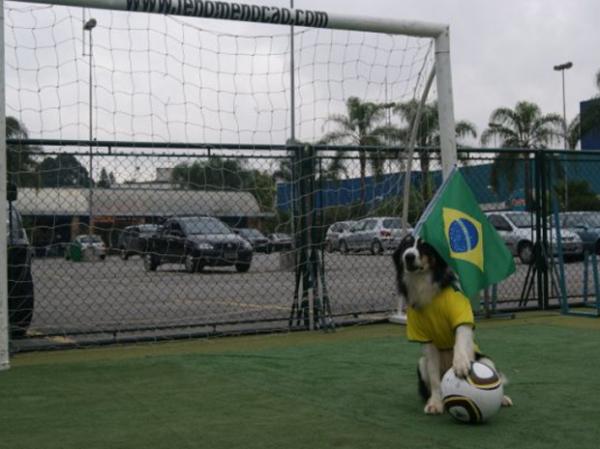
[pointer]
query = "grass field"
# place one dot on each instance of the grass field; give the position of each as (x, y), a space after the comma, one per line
(355, 388)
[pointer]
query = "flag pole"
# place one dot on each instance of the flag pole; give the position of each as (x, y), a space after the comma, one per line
(438, 193)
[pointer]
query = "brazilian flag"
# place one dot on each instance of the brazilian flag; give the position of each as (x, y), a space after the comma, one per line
(455, 226)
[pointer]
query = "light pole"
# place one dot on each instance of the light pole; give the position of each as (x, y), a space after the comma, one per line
(561, 68)
(89, 26)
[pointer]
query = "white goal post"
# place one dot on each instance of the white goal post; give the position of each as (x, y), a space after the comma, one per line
(243, 12)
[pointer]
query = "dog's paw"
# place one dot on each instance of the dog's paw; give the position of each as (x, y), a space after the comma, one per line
(461, 364)
(507, 401)
(434, 407)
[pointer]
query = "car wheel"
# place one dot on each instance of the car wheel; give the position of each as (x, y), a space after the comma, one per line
(376, 247)
(343, 247)
(525, 253)
(150, 262)
(123, 254)
(268, 250)
(242, 267)
(329, 246)
(597, 247)
(191, 264)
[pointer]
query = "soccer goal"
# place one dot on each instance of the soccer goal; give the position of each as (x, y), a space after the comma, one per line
(173, 80)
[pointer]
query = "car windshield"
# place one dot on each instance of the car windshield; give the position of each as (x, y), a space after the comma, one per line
(148, 228)
(249, 233)
(206, 225)
(90, 239)
(590, 219)
(393, 223)
(521, 220)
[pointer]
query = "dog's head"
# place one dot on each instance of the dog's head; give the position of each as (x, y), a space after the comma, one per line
(415, 258)
(414, 254)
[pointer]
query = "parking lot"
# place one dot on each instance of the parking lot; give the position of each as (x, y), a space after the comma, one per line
(116, 295)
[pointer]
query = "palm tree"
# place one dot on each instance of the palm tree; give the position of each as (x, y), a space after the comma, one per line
(524, 127)
(21, 165)
(360, 127)
(428, 134)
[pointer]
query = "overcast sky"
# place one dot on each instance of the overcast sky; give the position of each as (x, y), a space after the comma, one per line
(504, 51)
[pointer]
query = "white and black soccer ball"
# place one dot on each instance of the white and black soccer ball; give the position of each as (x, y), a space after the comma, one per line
(475, 398)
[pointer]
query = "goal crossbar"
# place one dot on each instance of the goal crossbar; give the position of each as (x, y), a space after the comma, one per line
(276, 15)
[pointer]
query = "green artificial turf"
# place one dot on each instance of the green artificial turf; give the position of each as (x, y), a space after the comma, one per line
(355, 388)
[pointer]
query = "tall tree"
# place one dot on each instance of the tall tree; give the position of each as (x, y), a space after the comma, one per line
(21, 164)
(106, 180)
(428, 134)
(524, 127)
(63, 170)
(216, 173)
(361, 126)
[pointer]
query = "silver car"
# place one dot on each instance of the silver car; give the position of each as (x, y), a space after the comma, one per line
(375, 234)
(335, 232)
(585, 224)
(516, 229)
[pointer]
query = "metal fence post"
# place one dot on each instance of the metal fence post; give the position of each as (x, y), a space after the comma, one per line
(543, 209)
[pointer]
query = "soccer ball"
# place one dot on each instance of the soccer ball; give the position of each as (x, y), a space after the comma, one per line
(475, 398)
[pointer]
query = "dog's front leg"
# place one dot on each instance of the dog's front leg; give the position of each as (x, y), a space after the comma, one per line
(464, 353)
(434, 405)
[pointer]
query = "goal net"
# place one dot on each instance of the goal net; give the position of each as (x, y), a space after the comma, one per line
(117, 118)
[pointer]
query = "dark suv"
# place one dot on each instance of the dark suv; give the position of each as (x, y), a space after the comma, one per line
(197, 242)
(134, 239)
(20, 281)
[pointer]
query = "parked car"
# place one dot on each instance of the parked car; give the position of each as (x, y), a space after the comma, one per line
(517, 230)
(334, 232)
(259, 242)
(20, 280)
(375, 234)
(86, 242)
(280, 242)
(197, 242)
(133, 239)
(585, 224)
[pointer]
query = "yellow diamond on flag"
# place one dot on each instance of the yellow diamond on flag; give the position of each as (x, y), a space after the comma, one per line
(464, 236)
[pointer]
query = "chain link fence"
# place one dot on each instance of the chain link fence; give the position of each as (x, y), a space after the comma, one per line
(180, 242)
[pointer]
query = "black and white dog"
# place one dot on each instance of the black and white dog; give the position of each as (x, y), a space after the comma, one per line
(439, 316)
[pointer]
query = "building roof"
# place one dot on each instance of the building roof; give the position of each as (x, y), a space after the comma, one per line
(136, 202)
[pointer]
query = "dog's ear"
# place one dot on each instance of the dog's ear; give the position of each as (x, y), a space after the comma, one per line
(397, 257)
(406, 243)
(443, 274)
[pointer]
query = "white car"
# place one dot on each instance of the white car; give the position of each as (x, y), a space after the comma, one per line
(89, 242)
(517, 230)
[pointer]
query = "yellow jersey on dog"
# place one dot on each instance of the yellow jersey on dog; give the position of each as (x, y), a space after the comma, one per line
(436, 322)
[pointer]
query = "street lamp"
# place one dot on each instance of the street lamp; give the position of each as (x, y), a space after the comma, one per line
(89, 26)
(561, 68)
